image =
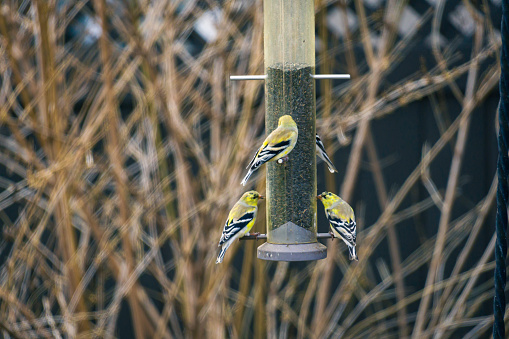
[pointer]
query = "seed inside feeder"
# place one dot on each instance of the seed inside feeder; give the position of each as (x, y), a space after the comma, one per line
(290, 89)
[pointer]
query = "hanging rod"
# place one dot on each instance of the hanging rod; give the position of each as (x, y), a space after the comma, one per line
(330, 76)
(248, 77)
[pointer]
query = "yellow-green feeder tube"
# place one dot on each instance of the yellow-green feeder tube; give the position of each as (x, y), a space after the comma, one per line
(289, 44)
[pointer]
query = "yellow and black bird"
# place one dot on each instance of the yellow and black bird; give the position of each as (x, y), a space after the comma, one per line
(240, 221)
(342, 221)
(277, 145)
(320, 151)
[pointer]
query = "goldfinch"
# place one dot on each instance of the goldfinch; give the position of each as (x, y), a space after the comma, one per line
(342, 220)
(277, 145)
(240, 221)
(320, 151)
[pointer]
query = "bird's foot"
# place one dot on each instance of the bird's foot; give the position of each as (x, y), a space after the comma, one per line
(283, 159)
(332, 235)
(256, 234)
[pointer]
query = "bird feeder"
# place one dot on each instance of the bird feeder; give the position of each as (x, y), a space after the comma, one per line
(289, 47)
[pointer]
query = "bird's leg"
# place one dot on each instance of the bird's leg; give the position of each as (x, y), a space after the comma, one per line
(256, 234)
(332, 235)
(283, 159)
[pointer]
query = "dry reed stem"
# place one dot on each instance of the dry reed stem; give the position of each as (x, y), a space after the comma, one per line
(451, 184)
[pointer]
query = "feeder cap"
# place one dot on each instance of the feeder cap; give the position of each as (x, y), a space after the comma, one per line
(292, 252)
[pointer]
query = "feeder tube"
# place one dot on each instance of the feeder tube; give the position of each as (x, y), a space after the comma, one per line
(289, 47)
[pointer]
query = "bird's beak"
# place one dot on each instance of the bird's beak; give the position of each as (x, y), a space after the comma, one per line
(261, 197)
(319, 197)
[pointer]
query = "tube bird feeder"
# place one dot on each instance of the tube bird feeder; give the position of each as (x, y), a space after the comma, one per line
(289, 48)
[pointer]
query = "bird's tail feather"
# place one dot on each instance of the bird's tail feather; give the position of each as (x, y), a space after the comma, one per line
(331, 166)
(326, 159)
(221, 255)
(243, 183)
(352, 253)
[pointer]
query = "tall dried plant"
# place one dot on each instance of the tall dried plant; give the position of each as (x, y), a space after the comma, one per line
(123, 145)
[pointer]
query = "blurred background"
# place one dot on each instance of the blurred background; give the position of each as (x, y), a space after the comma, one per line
(123, 143)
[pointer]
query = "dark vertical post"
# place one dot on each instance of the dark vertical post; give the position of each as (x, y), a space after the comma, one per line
(502, 191)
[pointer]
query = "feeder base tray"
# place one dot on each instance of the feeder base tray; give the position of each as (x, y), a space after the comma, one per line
(293, 252)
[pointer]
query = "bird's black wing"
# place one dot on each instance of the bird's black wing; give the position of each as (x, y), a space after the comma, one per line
(347, 228)
(231, 227)
(266, 153)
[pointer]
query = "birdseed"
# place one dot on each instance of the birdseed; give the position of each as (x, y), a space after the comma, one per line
(291, 186)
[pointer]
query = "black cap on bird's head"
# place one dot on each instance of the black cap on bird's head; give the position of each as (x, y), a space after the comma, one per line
(324, 195)
(328, 199)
